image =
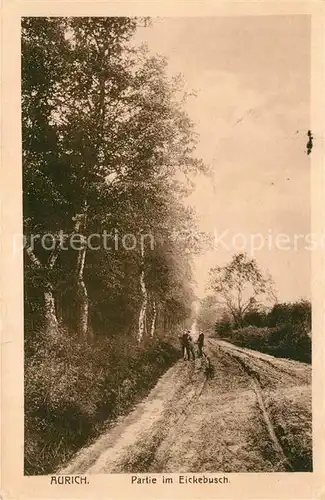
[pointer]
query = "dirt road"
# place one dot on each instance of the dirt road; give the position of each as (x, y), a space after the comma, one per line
(191, 423)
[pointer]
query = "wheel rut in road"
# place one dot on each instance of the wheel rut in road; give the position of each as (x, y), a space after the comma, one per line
(189, 423)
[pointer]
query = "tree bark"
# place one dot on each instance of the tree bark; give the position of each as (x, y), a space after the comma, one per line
(82, 293)
(50, 317)
(153, 321)
(51, 321)
(143, 310)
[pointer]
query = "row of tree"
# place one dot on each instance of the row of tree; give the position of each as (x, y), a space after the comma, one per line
(107, 146)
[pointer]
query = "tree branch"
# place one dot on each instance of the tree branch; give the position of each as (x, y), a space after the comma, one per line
(54, 255)
(34, 260)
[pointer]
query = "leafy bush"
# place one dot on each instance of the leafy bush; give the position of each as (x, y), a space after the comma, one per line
(72, 388)
(283, 332)
(223, 327)
(290, 341)
(295, 313)
(251, 336)
(285, 341)
(256, 318)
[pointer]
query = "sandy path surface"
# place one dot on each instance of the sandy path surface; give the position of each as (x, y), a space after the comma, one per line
(191, 423)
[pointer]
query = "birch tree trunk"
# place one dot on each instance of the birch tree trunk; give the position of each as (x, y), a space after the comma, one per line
(50, 317)
(58, 307)
(82, 293)
(143, 310)
(51, 321)
(153, 321)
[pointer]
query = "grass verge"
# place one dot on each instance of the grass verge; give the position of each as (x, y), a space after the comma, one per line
(72, 389)
(290, 412)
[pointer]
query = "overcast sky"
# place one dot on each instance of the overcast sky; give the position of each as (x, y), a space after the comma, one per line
(252, 77)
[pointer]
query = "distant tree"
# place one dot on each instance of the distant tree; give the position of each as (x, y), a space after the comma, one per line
(241, 286)
(209, 313)
(223, 326)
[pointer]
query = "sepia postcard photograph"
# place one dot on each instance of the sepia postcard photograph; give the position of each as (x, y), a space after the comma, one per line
(166, 251)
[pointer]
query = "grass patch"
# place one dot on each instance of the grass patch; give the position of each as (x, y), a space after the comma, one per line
(291, 414)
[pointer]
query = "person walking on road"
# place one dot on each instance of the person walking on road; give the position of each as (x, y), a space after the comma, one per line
(185, 345)
(190, 345)
(200, 343)
(180, 338)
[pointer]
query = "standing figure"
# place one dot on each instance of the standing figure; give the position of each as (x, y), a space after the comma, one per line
(180, 338)
(200, 343)
(185, 345)
(190, 345)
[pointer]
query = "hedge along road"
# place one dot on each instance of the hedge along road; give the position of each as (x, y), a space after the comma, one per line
(192, 423)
